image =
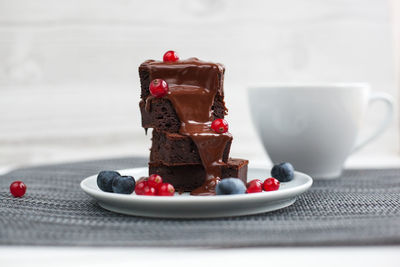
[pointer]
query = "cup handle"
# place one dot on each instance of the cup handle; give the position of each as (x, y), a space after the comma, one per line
(388, 100)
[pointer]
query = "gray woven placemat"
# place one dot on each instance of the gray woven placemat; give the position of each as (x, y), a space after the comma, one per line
(360, 208)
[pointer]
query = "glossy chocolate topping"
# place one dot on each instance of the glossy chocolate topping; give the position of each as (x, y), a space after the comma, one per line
(193, 85)
(187, 72)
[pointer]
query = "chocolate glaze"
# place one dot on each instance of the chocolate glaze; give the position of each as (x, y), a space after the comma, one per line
(193, 85)
(187, 72)
(208, 188)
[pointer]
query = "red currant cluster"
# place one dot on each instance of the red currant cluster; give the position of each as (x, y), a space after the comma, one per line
(256, 186)
(154, 186)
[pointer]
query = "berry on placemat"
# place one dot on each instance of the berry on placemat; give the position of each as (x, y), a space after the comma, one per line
(170, 56)
(165, 189)
(139, 189)
(158, 88)
(123, 184)
(220, 126)
(284, 172)
(254, 186)
(271, 184)
(105, 180)
(18, 189)
(154, 180)
(230, 186)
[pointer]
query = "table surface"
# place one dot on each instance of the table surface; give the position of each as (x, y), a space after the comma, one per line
(284, 256)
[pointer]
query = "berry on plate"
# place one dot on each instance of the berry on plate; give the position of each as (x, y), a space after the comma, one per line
(105, 180)
(230, 186)
(154, 180)
(123, 184)
(149, 191)
(220, 126)
(143, 178)
(271, 184)
(284, 172)
(158, 88)
(18, 189)
(170, 56)
(254, 186)
(165, 189)
(139, 189)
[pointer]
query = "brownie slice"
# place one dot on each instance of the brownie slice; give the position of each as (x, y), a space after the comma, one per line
(190, 176)
(161, 114)
(176, 149)
(191, 70)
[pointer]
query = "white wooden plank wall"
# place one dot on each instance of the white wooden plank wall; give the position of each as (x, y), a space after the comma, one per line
(69, 86)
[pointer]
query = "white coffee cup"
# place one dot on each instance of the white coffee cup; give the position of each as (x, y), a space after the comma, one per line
(314, 126)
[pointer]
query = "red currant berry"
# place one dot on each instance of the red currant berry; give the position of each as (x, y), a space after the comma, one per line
(158, 87)
(149, 191)
(170, 56)
(154, 180)
(139, 188)
(254, 186)
(142, 179)
(18, 189)
(219, 126)
(271, 184)
(165, 189)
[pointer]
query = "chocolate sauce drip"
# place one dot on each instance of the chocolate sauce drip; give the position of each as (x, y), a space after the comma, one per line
(193, 85)
(207, 189)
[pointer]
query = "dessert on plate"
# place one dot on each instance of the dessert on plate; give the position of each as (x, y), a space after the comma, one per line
(183, 102)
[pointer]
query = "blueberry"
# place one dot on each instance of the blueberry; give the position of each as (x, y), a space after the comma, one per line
(105, 179)
(123, 184)
(284, 172)
(230, 186)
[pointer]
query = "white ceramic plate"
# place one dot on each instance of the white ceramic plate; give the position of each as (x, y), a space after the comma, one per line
(186, 206)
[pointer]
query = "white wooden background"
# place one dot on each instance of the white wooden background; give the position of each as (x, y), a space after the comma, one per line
(69, 86)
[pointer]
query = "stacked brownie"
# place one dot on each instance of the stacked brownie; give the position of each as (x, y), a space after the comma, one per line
(181, 142)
